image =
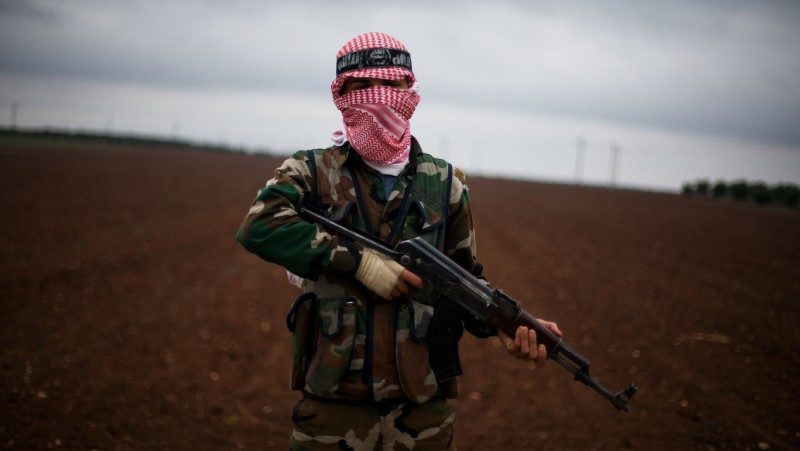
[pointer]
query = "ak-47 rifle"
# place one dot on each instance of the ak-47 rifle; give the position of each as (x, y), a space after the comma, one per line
(452, 290)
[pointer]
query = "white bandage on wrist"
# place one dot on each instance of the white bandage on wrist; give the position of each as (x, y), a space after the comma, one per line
(378, 272)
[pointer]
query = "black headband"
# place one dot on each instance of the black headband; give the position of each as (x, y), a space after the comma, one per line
(380, 57)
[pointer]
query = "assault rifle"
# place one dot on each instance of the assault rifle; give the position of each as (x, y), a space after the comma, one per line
(453, 290)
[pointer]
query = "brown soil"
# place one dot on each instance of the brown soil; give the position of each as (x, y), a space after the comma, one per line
(131, 319)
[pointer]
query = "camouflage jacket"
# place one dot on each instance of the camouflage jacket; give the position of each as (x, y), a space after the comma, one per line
(348, 343)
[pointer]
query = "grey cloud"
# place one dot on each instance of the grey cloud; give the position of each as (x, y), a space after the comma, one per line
(731, 71)
(708, 67)
(164, 45)
(26, 9)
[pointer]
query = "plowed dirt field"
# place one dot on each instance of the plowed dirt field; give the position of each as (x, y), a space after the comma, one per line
(131, 319)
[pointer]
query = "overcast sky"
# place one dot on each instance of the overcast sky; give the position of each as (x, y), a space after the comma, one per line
(686, 89)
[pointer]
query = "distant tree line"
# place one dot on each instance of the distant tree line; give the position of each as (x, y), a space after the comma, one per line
(740, 190)
(112, 138)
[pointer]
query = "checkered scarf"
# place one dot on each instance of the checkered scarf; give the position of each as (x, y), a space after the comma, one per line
(377, 119)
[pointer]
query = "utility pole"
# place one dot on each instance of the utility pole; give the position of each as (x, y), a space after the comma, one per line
(580, 153)
(109, 124)
(444, 148)
(614, 164)
(14, 108)
(476, 156)
(176, 128)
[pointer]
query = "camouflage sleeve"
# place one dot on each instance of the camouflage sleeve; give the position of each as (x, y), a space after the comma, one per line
(459, 242)
(273, 230)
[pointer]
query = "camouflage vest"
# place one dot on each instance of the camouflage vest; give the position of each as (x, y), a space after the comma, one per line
(330, 321)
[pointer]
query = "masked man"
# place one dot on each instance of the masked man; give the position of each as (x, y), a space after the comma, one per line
(360, 351)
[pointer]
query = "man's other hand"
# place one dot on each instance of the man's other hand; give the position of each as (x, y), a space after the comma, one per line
(524, 345)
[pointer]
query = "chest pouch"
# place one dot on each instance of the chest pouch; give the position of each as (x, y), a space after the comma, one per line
(302, 323)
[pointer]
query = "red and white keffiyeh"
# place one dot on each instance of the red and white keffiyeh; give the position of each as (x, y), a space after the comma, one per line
(377, 119)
